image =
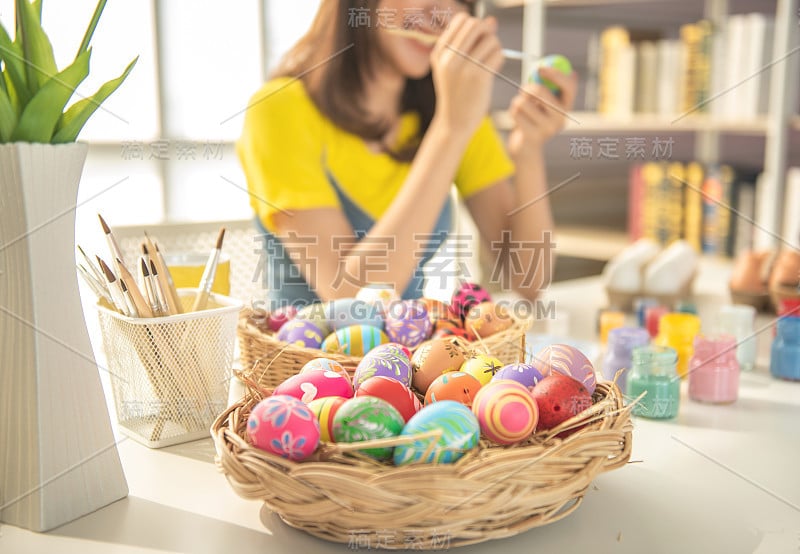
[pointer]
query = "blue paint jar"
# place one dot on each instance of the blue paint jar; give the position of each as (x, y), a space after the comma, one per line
(785, 356)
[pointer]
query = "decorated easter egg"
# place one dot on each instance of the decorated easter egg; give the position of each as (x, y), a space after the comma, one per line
(487, 318)
(284, 425)
(346, 312)
(433, 358)
(301, 333)
(555, 61)
(466, 296)
(367, 418)
(315, 313)
(448, 321)
(559, 398)
(311, 385)
(387, 360)
(355, 340)
(280, 316)
(457, 386)
(524, 374)
(506, 411)
(394, 392)
(325, 410)
(460, 434)
(436, 309)
(326, 364)
(381, 295)
(482, 367)
(567, 360)
(407, 323)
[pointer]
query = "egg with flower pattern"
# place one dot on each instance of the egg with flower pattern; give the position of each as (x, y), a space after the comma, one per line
(567, 360)
(459, 433)
(285, 426)
(387, 360)
(407, 323)
(434, 357)
(367, 418)
(301, 333)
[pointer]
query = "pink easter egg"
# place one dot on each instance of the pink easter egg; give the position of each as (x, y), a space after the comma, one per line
(327, 364)
(467, 296)
(285, 426)
(506, 411)
(311, 385)
(282, 315)
(567, 360)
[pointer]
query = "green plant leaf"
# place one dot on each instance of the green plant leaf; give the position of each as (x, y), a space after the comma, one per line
(8, 117)
(73, 120)
(11, 54)
(39, 119)
(37, 6)
(87, 37)
(40, 63)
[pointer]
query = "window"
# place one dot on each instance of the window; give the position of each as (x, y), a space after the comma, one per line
(161, 147)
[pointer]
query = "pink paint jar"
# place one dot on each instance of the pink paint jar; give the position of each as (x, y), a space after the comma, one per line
(714, 370)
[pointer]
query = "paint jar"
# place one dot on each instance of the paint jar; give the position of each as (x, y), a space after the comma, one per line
(654, 370)
(739, 321)
(714, 370)
(785, 356)
(678, 330)
(621, 343)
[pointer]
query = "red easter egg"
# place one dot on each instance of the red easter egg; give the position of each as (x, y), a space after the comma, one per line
(559, 398)
(392, 391)
(458, 386)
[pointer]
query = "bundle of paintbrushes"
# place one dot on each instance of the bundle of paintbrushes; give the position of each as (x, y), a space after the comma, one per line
(153, 294)
(169, 351)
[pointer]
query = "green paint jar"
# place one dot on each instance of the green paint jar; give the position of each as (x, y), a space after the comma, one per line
(654, 369)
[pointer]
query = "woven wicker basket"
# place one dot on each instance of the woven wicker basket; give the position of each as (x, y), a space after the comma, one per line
(491, 492)
(286, 360)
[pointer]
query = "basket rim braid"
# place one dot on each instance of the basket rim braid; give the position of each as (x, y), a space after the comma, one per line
(491, 492)
(286, 360)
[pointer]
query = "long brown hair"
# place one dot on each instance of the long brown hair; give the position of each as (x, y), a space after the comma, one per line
(334, 58)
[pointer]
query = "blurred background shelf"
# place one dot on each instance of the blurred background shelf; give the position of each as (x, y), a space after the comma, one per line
(591, 122)
(589, 243)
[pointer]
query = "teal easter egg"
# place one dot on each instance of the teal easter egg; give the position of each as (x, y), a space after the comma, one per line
(460, 433)
(355, 340)
(346, 312)
(367, 418)
(556, 61)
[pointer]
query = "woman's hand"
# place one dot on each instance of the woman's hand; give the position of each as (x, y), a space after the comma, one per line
(464, 62)
(539, 114)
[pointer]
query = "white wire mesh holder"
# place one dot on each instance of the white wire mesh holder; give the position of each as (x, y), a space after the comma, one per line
(170, 375)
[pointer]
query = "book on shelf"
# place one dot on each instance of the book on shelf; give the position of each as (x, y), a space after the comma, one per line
(705, 70)
(791, 208)
(711, 207)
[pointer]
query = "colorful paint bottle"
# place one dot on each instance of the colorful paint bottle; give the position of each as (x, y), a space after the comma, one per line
(739, 321)
(653, 370)
(653, 317)
(640, 307)
(714, 370)
(610, 319)
(785, 356)
(678, 330)
(621, 342)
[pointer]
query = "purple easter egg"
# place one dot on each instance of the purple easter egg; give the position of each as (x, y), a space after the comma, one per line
(467, 296)
(525, 374)
(387, 360)
(567, 360)
(302, 333)
(407, 323)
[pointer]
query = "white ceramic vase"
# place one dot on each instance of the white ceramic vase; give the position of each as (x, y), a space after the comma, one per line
(58, 458)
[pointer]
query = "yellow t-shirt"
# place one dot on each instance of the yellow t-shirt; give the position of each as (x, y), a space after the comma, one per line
(288, 148)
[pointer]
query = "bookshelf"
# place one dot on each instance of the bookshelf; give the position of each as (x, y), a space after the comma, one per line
(772, 128)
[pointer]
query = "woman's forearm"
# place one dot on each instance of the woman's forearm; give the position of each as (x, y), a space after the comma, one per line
(530, 224)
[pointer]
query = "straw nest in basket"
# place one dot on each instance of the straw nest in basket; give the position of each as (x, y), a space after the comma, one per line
(288, 359)
(491, 492)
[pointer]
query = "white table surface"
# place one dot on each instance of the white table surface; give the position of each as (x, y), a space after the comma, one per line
(716, 479)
